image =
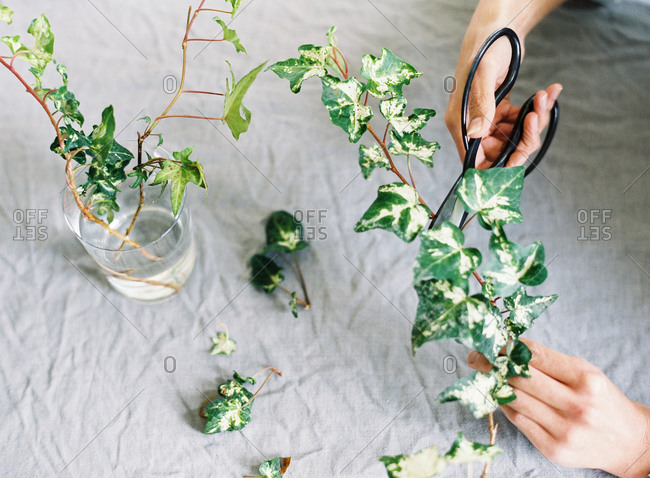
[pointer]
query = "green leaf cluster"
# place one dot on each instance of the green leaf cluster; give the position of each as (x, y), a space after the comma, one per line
(429, 462)
(284, 235)
(446, 310)
(179, 172)
(222, 344)
(232, 409)
(345, 98)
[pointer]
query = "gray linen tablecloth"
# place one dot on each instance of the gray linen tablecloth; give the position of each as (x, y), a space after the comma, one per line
(83, 385)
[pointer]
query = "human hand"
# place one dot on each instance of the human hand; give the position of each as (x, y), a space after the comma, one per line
(575, 416)
(486, 120)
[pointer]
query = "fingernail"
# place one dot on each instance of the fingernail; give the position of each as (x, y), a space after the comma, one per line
(474, 126)
(555, 95)
(472, 357)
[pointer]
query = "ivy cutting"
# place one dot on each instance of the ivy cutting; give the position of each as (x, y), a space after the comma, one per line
(489, 320)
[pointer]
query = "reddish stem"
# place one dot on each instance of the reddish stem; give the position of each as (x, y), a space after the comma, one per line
(203, 92)
(205, 39)
(189, 116)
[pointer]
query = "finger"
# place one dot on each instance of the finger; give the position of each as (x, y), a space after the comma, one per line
(537, 434)
(559, 366)
(482, 106)
(544, 415)
(544, 388)
(529, 143)
(477, 361)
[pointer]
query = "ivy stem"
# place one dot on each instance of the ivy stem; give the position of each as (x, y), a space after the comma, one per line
(479, 278)
(345, 73)
(408, 166)
(467, 222)
(493, 439)
(302, 281)
(140, 199)
(291, 292)
(268, 377)
(225, 327)
(386, 132)
(162, 117)
(208, 40)
(198, 92)
(212, 10)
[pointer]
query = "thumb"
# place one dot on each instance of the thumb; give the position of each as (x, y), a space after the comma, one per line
(481, 105)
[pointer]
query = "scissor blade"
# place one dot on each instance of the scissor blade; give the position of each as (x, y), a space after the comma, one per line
(447, 208)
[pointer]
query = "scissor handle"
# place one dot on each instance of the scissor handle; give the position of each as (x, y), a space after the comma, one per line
(501, 92)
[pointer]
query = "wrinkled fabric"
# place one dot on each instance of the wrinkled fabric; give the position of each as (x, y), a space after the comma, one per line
(92, 384)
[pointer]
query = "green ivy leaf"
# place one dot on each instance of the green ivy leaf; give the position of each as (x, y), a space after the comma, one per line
(266, 273)
(179, 175)
(342, 99)
(371, 159)
(235, 6)
(236, 115)
(516, 361)
(146, 119)
(243, 380)
(66, 103)
(102, 135)
(396, 209)
(14, 44)
(465, 451)
(73, 140)
(230, 35)
(275, 468)
(293, 303)
(231, 411)
(422, 464)
(408, 144)
(222, 344)
(442, 255)
(445, 311)
(43, 49)
(511, 264)
(494, 194)
(524, 309)
(311, 63)
(6, 14)
(481, 393)
(284, 233)
(331, 38)
(386, 75)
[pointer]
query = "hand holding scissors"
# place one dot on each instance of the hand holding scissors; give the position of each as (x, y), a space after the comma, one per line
(515, 135)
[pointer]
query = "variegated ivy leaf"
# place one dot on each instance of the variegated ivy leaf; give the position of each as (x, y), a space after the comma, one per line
(429, 462)
(393, 110)
(423, 464)
(396, 209)
(230, 35)
(494, 194)
(386, 75)
(5, 14)
(442, 255)
(371, 159)
(465, 451)
(266, 273)
(445, 311)
(412, 144)
(312, 62)
(393, 107)
(284, 233)
(275, 468)
(512, 264)
(293, 303)
(230, 411)
(518, 357)
(524, 309)
(481, 393)
(222, 344)
(342, 99)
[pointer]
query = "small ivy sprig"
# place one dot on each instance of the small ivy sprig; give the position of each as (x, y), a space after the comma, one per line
(284, 235)
(490, 321)
(222, 344)
(275, 468)
(230, 408)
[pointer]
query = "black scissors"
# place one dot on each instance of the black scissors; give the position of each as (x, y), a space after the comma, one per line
(451, 208)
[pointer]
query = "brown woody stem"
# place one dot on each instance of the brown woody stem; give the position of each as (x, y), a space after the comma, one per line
(493, 439)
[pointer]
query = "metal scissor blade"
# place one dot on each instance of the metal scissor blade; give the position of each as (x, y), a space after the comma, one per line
(451, 208)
